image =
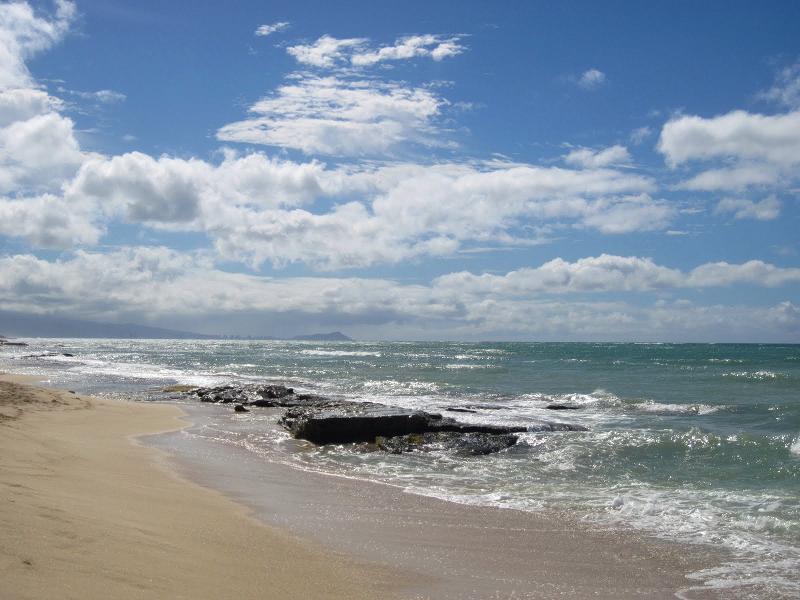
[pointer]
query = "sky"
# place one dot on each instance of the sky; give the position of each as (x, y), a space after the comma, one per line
(575, 171)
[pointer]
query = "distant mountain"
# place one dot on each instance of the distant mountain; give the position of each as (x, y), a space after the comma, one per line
(334, 336)
(27, 325)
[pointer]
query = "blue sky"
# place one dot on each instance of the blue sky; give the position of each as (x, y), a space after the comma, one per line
(469, 170)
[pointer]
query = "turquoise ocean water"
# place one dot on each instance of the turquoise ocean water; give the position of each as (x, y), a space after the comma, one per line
(693, 443)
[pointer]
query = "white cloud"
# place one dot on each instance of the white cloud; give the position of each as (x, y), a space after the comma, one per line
(326, 52)
(38, 154)
(739, 177)
(330, 115)
(159, 283)
(626, 214)
(252, 207)
(38, 149)
(756, 150)
(329, 52)
(765, 210)
(753, 272)
(591, 79)
(49, 221)
(269, 29)
(588, 158)
(786, 89)
(24, 34)
(609, 273)
(20, 104)
(738, 134)
(436, 47)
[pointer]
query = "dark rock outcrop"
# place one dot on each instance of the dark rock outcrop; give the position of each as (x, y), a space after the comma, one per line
(562, 407)
(322, 420)
(347, 422)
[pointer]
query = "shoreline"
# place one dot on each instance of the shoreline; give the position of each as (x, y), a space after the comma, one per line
(411, 546)
(455, 551)
(90, 512)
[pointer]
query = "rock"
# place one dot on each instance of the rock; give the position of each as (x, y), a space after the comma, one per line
(67, 354)
(240, 408)
(468, 444)
(341, 422)
(561, 407)
(291, 400)
(461, 410)
(252, 395)
(348, 422)
(274, 391)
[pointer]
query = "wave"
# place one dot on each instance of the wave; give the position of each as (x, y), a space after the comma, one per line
(756, 375)
(341, 353)
(679, 409)
(794, 447)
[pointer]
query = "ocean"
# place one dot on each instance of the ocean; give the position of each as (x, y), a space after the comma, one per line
(694, 443)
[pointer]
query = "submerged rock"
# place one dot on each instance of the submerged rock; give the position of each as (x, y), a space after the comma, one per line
(240, 408)
(562, 407)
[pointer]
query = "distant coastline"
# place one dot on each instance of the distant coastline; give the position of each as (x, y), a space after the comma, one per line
(18, 324)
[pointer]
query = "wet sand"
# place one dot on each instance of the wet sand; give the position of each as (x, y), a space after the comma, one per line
(455, 551)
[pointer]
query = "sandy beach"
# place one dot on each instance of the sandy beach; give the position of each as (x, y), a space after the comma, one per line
(88, 513)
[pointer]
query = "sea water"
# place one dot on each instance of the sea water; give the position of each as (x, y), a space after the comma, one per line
(696, 443)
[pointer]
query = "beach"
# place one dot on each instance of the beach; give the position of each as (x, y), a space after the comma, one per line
(90, 512)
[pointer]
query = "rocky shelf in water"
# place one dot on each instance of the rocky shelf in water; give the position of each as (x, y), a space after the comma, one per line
(323, 420)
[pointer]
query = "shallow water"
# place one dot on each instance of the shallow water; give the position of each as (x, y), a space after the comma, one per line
(693, 443)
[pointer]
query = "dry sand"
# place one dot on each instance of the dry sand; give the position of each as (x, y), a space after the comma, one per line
(86, 513)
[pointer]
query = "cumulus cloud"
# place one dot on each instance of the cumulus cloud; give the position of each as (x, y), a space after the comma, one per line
(740, 135)
(49, 221)
(586, 157)
(38, 148)
(764, 210)
(37, 154)
(756, 150)
(269, 29)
